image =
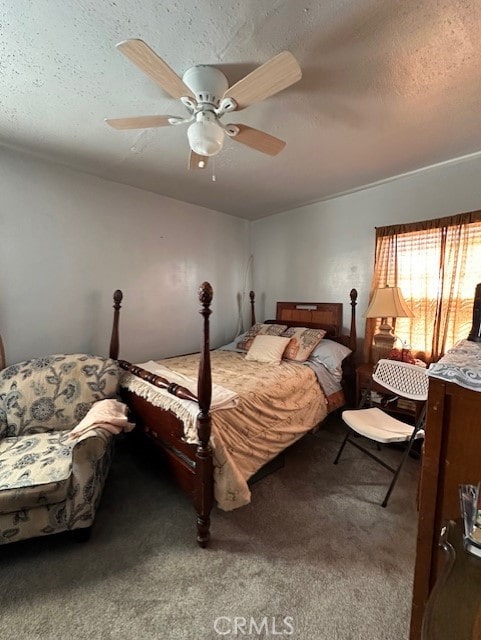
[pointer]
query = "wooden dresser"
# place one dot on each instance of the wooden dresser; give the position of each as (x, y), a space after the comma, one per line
(452, 456)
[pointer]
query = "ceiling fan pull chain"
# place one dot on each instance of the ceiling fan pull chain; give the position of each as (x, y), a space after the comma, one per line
(213, 170)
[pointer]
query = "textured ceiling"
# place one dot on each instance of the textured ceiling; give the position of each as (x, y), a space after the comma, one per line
(388, 86)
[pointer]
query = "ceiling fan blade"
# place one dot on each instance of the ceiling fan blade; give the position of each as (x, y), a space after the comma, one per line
(196, 161)
(140, 122)
(273, 76)
(259, 140)
(150, 63)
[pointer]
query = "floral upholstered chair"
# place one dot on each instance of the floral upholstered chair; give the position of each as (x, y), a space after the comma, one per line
(48, 482)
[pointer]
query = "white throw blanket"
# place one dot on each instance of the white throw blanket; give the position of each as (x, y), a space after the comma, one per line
(110, 415)
(186, 410)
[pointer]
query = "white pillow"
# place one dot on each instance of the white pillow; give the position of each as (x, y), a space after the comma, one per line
(244, 342)
(330, 354)
(266, 348)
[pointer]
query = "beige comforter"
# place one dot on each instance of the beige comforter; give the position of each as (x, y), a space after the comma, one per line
(276, 405)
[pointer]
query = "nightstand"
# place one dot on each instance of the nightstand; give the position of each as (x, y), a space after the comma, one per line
(409, 409)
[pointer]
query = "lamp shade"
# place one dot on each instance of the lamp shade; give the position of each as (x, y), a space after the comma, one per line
(388, 302)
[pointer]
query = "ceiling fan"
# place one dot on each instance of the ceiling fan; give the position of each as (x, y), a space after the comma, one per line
(205, 92)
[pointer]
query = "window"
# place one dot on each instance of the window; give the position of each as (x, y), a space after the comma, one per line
(437, 265)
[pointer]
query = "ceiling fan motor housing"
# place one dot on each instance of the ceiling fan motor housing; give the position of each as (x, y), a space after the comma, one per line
(208, 84)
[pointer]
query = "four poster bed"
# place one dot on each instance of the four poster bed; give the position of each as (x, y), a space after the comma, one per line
(220, 416)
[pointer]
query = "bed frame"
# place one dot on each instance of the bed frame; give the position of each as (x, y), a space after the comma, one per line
(192, 465)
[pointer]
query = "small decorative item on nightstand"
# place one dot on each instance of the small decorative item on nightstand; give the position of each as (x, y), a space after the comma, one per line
(402, 355)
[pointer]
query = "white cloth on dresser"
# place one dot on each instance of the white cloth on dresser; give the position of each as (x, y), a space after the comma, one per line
(461, 365)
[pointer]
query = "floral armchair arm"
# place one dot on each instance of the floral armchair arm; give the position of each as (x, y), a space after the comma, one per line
(91, 457)
(102, 438)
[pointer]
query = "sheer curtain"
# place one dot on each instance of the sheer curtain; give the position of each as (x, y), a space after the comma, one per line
(437, 265)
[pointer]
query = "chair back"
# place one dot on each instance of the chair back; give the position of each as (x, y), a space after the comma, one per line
(53, 393)
(403, 379)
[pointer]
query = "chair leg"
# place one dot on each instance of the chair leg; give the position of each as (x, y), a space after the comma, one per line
(81, 535)
(398, 471)
(344, 442)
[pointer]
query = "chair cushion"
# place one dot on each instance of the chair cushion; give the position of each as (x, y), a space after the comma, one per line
(34, 470)
(378, 425)
(54, 392)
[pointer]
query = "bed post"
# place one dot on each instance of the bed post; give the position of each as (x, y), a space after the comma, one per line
(252, 296)
(204, 478)
(353, 336)
(114, 340)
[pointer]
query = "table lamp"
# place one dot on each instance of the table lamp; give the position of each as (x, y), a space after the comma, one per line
(387, 302)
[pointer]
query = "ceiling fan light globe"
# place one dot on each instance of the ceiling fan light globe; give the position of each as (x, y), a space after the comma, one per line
(205, 138)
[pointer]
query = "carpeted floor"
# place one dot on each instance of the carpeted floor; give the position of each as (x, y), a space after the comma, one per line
(313, 557)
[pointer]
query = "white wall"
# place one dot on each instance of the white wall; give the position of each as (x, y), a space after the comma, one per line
(320, 251)
(68, 240)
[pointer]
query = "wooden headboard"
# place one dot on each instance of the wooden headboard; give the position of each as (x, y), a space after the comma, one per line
(319, 315)
(325, 314)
